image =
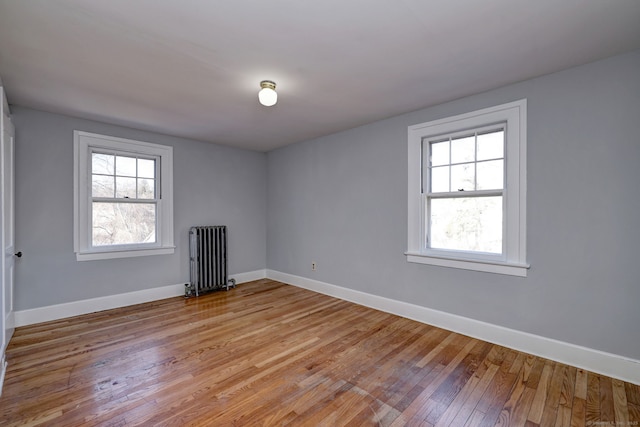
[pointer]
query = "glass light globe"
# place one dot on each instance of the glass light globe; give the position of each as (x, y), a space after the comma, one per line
(267, 95)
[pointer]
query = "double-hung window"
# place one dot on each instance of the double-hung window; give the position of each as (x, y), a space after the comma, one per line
(467, 191)
(123, 197)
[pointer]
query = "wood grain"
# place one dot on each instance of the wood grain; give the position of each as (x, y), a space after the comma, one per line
(266, 353)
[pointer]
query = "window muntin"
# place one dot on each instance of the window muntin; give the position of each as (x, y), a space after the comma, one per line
(123, 176)
(464, 163)
(123, 197)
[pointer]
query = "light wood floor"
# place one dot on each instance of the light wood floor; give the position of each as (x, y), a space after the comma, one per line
(271, 354)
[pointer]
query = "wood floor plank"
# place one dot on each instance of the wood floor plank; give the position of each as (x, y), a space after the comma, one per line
(563, 417)
(633, 393)
(542, 391)
(552, 401)
(592, 410)
(417, 410)
(568, 386)
(267, 353)
(607, 412)
(508, 415)
(620, 407)
(581, 384)
(634, 414)
(459, 412)
(578, 417)
(475, 419)
(498, 392)
(522, 407)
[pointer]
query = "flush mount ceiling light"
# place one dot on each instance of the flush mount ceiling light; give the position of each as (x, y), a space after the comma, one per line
(267, 95)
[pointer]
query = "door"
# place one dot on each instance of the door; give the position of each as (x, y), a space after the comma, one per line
(6, 225)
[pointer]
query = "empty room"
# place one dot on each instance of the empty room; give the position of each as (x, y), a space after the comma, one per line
(357, 213)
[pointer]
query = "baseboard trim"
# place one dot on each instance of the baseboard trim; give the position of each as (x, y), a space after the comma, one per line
(611, 365)
(76, 308)
(249, 276)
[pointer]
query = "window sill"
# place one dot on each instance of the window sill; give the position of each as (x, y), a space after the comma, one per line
(508, 268)
(92, 256)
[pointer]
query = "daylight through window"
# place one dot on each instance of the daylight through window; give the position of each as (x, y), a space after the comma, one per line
(123, 199)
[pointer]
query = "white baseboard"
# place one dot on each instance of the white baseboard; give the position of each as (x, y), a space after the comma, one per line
(611, 365)
(76, 308)
(249, 276)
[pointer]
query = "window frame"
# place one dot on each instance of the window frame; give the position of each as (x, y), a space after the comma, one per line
(513, 259)
(85, 144)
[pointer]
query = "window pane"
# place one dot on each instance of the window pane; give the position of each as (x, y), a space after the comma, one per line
(463, 149)
(125, 166)
(490, 175)
(440, 179)
(467, 224)
(146, 189)
(146, 168)
(102, 163)
(123, 223)
(102, 186)
(462, 177)
(439, 153)
(125, 187)
(491, 145)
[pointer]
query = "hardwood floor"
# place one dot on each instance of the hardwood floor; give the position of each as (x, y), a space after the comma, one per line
(272, 354)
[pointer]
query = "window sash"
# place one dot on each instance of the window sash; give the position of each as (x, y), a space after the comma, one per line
(157, 190)
(428, 220)
(453, 194)
(156, 201)
(136, 244)
(426, 155)
(429, 194)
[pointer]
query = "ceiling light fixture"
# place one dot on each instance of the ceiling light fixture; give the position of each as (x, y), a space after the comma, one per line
(267, 95)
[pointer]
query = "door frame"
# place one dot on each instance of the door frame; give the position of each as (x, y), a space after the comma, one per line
(7, 227)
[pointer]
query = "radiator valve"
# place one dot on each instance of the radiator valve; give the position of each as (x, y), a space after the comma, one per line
(188, 290)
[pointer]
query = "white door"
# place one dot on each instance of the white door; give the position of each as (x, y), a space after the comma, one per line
(7, 225)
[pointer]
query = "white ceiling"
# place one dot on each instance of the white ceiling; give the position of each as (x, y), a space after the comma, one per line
(192, 68)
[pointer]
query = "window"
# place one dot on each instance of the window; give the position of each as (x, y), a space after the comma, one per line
(123, 200)
(467, 191)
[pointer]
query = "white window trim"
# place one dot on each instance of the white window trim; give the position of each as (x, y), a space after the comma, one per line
(83, 143)
(513, 261)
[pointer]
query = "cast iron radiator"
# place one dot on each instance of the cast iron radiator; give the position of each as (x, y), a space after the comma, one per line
(208, 260)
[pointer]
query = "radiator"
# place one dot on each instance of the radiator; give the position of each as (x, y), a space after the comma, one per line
(208, 260)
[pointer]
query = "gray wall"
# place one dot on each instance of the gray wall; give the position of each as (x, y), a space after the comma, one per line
(212, 185)
(341, 201)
